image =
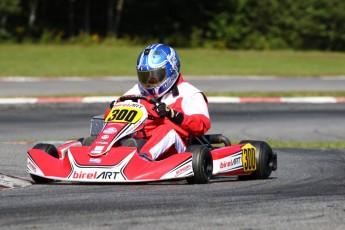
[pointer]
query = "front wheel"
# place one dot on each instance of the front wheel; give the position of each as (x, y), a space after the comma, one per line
(266, 160)
(202, 164)
(52, 151)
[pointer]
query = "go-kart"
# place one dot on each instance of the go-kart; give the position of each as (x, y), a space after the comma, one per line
(110, 155)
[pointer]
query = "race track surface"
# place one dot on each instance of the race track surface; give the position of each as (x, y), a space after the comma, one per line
(306, 192)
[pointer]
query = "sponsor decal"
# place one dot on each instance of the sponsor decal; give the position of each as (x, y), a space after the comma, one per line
(97, 149)
(104, 137)
(230, 163)
(102, 142)
(31, 166)
(125, 104)
(110, 130)
(95, 160)
(83, 175)
(182, 170)
(106, 175)
(248, 157)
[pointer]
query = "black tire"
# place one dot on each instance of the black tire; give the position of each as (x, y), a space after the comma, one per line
(202, 164)
(264, 160)
(88, 141)
(52, 151)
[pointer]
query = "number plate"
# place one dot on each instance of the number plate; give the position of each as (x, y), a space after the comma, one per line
(248, 157)
(124, 114)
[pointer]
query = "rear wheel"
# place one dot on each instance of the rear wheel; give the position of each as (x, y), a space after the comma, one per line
(266, 160)
(52, 151)
(202, 164)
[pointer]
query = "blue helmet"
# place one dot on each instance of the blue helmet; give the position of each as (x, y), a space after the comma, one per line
(158, 68)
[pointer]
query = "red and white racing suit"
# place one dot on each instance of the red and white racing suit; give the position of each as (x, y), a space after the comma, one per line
(166, 138)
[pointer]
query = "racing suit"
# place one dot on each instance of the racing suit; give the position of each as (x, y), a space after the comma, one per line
(164, 136)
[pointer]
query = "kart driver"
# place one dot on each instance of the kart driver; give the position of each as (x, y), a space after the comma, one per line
(182, 106)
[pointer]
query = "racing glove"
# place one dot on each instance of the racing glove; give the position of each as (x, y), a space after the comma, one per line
(161, 109)
(165, 111)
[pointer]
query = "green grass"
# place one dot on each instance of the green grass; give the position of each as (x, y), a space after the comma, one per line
(103, 60)
(315, 144)
(274, 63)
(309, 145)
(67, 60)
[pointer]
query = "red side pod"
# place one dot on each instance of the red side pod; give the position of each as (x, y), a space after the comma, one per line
(227, 161)
(225, 151)
(50, 166)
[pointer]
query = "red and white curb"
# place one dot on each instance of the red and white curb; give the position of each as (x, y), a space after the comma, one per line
(224, 100)
(242, 100)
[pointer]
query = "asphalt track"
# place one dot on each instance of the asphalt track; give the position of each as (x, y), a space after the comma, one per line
(306, 192)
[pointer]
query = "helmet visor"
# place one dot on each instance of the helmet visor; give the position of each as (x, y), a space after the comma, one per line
(152, 78)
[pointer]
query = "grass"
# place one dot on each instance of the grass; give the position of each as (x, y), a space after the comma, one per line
(309, 145)
(67, 60)
(273, 63)
(103, 60)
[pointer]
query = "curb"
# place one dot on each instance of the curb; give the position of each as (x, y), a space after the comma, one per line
(220, 100)
(309, 100)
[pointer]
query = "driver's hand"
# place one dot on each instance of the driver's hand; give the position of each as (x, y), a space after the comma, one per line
(165, 111)
(161, 109)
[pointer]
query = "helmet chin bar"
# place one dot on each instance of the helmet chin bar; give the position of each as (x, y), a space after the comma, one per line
(153, 92)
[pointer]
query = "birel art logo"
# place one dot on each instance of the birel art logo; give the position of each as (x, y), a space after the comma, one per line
(230, 163)
(104, 137)
(104, 175)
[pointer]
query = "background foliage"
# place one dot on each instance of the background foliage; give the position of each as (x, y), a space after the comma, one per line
(234, 24)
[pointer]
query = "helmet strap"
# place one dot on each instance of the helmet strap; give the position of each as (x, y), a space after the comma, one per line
(174, 88)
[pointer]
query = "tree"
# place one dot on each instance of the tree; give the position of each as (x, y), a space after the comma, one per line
(7, 9)
(119, 8)
(33, 10)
